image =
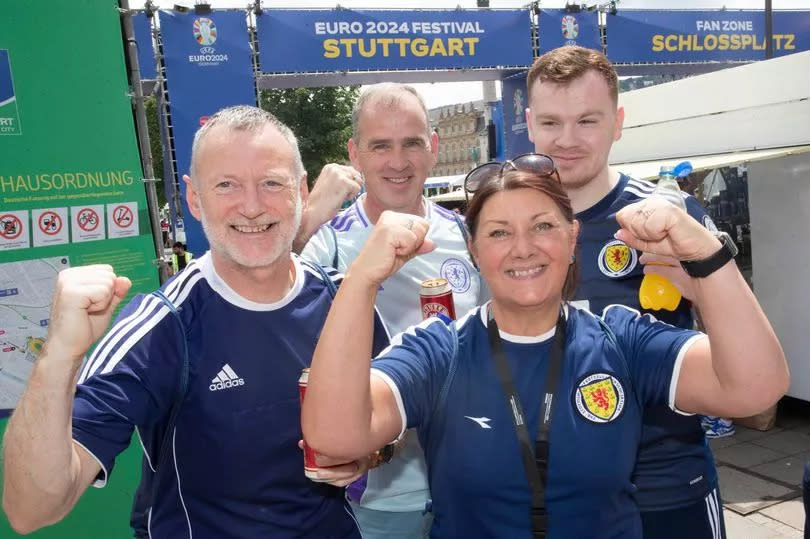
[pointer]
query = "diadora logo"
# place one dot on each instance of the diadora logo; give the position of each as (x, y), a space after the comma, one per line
(226, 379)
(482, 422)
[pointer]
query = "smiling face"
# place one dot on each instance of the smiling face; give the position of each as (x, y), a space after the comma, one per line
(247, 196)
(576, 124)
(524, 246)
(395, 152)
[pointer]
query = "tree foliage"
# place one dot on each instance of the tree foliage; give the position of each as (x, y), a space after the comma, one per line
(321, 118)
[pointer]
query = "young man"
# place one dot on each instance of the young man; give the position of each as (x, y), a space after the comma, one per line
(394, 149)
(248, 316)
(180, 257)
(574, 117)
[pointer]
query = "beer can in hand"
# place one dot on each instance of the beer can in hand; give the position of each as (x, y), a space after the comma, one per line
(436, 297)
(310, 466)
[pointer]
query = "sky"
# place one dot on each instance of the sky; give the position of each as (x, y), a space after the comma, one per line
(440, 94)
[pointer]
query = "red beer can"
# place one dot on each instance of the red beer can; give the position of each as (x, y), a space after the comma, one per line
(436, 297)
(310, 466)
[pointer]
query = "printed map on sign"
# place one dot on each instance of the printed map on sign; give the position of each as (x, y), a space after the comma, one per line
(26, 289)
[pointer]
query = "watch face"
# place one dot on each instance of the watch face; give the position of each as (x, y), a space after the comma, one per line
(729, 242)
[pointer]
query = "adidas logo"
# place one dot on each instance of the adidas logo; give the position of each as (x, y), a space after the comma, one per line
(226, 379)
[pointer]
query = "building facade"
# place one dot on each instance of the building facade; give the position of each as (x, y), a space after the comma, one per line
(462, 137)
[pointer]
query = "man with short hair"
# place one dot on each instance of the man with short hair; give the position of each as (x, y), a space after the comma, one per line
(180, 257)
(394, 149)
(574, 117)
(245, 316)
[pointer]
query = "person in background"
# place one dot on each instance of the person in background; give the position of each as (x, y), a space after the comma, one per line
(574, 117)
(393, 148)
(180, 257)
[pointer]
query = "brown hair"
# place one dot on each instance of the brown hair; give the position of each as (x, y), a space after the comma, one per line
(566, 64)
(514, 179)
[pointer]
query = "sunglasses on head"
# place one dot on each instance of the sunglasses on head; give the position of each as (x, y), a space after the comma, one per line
(536, 163)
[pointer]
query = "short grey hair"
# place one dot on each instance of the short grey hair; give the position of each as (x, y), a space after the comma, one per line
(246, 118)
(387, 95)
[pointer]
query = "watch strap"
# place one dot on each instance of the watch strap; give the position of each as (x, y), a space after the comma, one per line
(707, 266)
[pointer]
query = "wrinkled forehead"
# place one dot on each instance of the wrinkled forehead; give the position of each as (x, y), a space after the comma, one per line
(389, 115)
(261, 148)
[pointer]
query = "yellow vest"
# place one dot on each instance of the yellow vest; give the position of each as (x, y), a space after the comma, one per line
(188, 258)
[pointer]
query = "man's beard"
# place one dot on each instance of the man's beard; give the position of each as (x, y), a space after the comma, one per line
(283, 246)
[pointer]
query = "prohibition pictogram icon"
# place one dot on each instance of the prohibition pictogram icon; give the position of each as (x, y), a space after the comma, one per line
(88, 219)
(122, 216)
(10, 226)
(50, 223)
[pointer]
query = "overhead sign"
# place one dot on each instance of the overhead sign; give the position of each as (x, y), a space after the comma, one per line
(700, 36)
(208, 61)
(558, 27)
(350, 40)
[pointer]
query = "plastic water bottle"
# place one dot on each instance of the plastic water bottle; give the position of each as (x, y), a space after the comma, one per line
(657, 292)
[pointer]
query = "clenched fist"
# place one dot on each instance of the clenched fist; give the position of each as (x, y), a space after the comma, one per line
(83, 303)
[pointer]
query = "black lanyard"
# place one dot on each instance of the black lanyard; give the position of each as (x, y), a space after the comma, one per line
(536, 464)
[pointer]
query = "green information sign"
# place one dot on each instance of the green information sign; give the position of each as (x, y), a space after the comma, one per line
(70, 194)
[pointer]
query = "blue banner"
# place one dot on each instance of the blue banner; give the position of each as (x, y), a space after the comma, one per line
(142, 26)
(515, 99)
(209, 67)
(702, 36)
(557, 27)
(791, 32)
(349, 40)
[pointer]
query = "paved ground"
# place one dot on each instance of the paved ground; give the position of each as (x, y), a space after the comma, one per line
(761, 476)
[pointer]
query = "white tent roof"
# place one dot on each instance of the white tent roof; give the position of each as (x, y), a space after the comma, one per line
(645, 170)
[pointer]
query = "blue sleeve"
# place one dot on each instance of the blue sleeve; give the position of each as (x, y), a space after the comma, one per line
(131, 379)
(698, 212)
(381, 336)
(653, 351)
(418, 362)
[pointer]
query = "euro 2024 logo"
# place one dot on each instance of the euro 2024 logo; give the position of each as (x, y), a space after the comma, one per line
(570, 29)
(517, 103)
(205, 32)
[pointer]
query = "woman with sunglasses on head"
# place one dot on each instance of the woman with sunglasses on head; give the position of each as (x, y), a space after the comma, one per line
(528, 408)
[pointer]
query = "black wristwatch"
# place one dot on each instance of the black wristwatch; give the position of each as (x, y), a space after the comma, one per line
(707, 266)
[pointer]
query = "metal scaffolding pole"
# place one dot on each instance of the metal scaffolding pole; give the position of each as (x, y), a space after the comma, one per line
(143, 136)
